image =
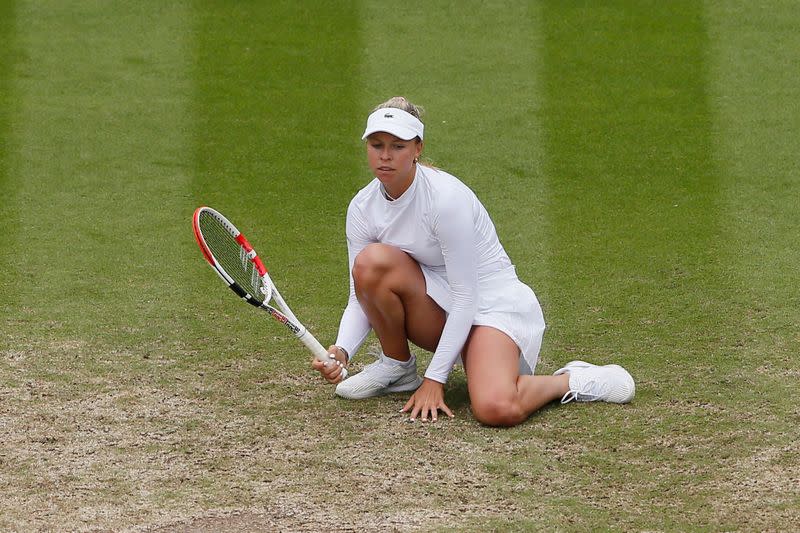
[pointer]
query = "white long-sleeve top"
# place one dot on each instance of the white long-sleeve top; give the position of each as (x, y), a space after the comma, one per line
(441, 224)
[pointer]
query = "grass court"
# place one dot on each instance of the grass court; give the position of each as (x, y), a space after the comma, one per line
(639, 159)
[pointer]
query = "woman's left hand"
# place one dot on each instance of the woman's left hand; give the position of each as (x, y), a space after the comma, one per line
(428, 399)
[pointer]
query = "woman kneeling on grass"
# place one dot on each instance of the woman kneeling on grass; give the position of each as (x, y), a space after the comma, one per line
(427, 266)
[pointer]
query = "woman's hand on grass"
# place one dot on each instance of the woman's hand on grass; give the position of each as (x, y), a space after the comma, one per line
(427, 400)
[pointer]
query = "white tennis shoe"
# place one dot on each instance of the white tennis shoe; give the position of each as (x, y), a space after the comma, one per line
(381, 377)
(592, 383)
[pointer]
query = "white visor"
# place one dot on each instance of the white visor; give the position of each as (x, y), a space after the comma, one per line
(399, 123)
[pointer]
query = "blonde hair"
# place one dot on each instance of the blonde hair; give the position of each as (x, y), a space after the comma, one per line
(400, 102)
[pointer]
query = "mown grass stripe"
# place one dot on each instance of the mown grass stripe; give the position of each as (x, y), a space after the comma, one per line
(634, 212)
(8, 215)
(638, 249)
(99, 131)
(274, 116)
(98, 128)
(754, 58)
(754, 95)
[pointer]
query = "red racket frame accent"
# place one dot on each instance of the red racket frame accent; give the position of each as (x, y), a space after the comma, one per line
(199, 238)
(249, 249)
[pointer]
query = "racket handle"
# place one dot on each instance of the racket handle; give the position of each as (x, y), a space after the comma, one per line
(320, 353)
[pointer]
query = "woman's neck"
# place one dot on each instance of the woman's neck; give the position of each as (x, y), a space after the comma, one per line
(397, 191)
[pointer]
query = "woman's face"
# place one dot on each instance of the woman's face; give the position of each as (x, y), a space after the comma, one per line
(392, 160)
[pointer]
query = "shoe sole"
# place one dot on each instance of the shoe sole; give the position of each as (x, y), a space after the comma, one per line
(404, 387)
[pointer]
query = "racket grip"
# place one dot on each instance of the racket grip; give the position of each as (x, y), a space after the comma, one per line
(320, 353)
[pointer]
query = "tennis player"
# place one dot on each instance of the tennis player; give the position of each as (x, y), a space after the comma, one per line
(426, 266)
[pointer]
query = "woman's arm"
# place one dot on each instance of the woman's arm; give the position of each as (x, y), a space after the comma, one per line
(354, 325)
(454, 226)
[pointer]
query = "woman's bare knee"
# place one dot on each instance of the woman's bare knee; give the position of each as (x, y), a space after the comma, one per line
(372, 264)
(383, 267)
(498, 410)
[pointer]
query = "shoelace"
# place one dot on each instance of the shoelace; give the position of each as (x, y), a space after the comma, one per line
(569, 396)
(582, 395)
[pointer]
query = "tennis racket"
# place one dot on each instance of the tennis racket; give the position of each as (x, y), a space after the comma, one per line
(239, 266)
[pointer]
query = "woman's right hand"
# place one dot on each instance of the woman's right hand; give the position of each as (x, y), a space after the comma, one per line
(331, 370)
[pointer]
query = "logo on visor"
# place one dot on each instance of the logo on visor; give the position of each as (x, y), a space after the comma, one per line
(388, 115)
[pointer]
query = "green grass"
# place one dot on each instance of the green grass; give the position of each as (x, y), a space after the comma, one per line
(640, 162)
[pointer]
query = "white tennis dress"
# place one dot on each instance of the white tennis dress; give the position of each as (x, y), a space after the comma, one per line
(441, 224)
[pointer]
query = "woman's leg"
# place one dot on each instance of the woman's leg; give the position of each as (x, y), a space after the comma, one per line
(391, 289)
(498, 394)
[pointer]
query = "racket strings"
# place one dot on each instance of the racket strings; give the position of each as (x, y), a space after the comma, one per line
(231, 256)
